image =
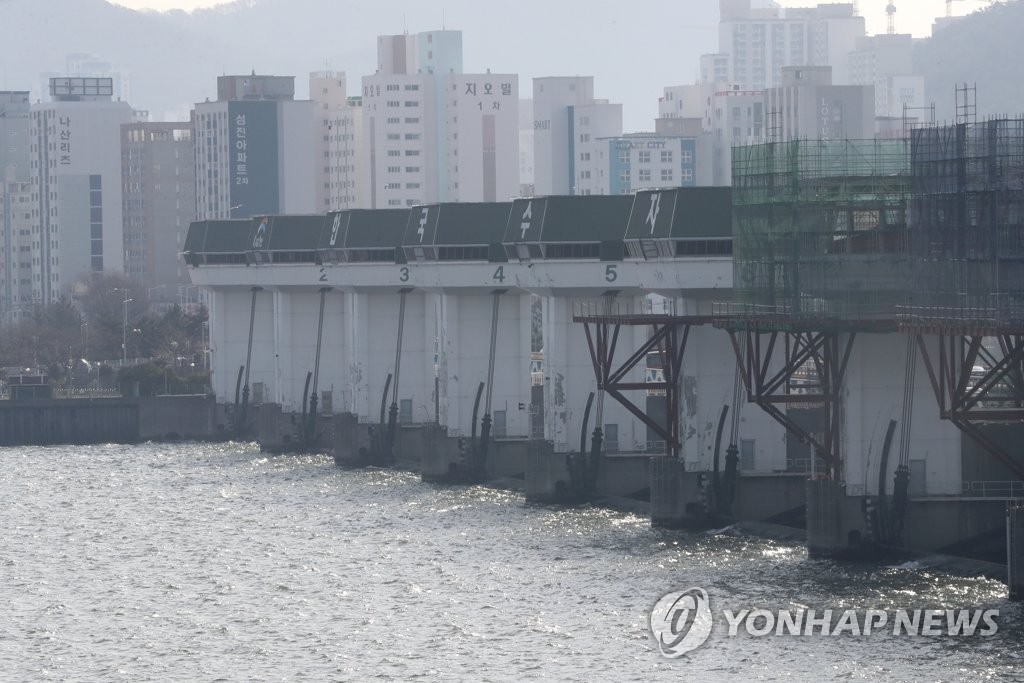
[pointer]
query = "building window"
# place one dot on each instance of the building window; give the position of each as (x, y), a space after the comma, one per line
(645, 175)
(666, 156)
(644, 157)
(666, 175)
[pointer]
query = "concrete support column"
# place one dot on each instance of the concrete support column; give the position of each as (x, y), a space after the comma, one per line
(1015, 549)
(559, 404)
(668, 504)
(357, 400)
(220, 370)
(825, 537)
(547, 477)
(284, 380)
(448, 366)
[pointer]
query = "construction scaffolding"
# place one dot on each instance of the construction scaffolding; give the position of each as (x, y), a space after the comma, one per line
(967, 232)
(820, 229)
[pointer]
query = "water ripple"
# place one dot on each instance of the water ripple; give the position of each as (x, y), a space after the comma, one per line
(215, 562)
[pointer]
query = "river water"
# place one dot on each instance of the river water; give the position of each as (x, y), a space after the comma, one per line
(193, 562)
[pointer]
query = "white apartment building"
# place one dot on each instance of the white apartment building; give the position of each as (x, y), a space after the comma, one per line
(886, 62)
(566, 119)
(75, 175)
(759, 42)
(526, 165)
(482, 146)
(399, 133)
(255, 151)
(623, 165)
(15, 206)
(715, 68)
(433, 133)
(16, 293)
(590, 128)
(342, 179)
(719, 117)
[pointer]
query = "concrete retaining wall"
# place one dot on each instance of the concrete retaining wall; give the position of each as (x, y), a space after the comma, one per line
(69, 421)
(177, 417)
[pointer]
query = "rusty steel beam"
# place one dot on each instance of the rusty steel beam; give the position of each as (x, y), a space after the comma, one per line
(959, 401)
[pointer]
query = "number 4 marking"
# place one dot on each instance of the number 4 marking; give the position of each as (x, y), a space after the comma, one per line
(499, 274)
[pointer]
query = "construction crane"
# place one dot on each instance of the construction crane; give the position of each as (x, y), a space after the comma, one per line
(891, 11)
(949, 6)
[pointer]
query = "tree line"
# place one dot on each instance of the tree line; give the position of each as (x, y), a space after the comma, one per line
(81, 336)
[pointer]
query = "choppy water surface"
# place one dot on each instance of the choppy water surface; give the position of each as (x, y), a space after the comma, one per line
(214, 562)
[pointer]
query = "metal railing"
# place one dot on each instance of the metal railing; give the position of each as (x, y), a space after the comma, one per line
(993, 489)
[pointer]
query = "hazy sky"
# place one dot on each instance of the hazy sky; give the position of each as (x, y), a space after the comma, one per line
(912, 16)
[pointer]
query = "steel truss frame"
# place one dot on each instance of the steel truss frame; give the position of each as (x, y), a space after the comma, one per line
(668, 337)
(769, 360)
(967, 403)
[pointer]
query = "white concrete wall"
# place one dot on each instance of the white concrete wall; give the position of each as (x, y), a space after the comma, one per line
(872, 395)
(464, 359)
(569, 378)
(376, 338)
(229, 338)
(709, 378)
(296, 320)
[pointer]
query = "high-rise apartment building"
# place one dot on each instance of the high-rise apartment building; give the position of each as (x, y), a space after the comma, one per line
(482, 137)
(755, 43)
(433, 133)
(565, 117)
(590, 127)
(526, 165)
(255, 151)
(75, 176)
(342, 177)
(15, 206)
(158, 181)
(887, 63)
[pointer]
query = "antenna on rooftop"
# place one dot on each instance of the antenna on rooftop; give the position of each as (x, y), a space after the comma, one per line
(891, 11)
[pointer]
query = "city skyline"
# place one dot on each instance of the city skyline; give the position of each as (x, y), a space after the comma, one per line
(917, 21)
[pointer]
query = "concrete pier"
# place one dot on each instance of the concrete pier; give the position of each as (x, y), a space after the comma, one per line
(827, 536)
(547, 474)
(675, 497)
(1015, 549)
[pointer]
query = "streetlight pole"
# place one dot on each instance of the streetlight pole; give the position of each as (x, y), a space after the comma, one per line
(124, 334)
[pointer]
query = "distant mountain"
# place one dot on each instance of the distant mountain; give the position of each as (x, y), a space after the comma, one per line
(633, 50)
(985, 48)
